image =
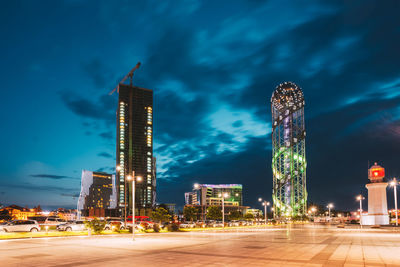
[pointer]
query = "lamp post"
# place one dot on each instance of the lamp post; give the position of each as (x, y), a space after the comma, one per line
(223, 196)
(133, 178)
(265, 204)
(394, 184)
(330, 205)
(360, 198)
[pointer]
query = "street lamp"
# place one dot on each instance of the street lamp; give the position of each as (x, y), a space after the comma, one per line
(360, 198)
(394, 184)
(223, 196)
(330, 205)
(134, 179)
(265, 204)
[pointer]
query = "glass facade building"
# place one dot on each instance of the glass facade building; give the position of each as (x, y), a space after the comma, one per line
(135, 148)
(98, 191)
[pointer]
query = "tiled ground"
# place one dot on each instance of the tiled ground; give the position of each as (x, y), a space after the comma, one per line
(288, 246)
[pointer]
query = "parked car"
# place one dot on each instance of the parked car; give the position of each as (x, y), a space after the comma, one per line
(72, 226)
(234, 223)
(139, 220)
(21, 226)
(53, 221)
(187, 225)
(217, 224)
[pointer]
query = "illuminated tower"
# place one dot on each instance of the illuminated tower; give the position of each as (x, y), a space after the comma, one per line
(288, 151)
(377, 200)
(135, 148)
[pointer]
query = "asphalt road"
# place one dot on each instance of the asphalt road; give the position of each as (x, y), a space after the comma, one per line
(288, 246)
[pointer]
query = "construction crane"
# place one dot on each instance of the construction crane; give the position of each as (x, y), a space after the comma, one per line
(129, 75)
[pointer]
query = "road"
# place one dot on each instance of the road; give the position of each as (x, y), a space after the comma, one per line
(288, 246)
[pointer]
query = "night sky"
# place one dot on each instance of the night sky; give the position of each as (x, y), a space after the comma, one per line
(213, 66)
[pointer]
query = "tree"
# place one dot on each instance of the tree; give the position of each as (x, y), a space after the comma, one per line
(235, 215)
(160, 215)
(214, 213)
(190, 213)
(248, 216)
(164, 206)
(5, 215)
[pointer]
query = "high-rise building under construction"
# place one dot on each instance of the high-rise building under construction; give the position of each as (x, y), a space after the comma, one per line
(288, 151)
(135, 149)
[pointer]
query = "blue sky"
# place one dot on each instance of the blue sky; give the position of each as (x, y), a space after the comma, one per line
(213, 66)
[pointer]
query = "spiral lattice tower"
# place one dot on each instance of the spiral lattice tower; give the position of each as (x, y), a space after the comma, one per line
(288, 151)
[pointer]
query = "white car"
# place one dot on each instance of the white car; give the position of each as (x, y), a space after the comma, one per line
(217, 224)
(187, 225)
(21, 226)
(72, 226)
(234, 223)
(53, 221)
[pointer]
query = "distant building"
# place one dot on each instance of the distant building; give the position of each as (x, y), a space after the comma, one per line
(135, 149)
(67, 214)
(205, 195)
(209, 195)
(171, 207)
(256, 212)
(19, 213)
(98, 193)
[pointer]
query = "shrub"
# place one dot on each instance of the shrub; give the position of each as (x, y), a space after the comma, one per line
(173, 227)
(116, 227)
(96, 225)
(156, 228)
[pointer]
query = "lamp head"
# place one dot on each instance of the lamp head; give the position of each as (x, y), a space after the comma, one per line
(259, 199)
(139, 178)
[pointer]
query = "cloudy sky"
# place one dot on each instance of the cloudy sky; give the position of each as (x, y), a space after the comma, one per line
(213, 66)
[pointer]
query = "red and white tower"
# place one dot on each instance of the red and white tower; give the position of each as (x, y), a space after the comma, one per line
(377, 200)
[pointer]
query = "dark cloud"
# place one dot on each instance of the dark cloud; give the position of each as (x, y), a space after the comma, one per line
(99, 74)
(70, 195)
(104, 154)
(237, 124)
(102, 108)
(106, 169)
(107, 135)
(33, 187)
(50, 176)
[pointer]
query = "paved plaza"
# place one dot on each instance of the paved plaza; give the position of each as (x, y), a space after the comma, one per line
(286, 246)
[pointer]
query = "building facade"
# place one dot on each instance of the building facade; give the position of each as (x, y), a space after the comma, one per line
(210, 195)
(98, 192)
(135, 149)
(288, 151)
